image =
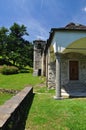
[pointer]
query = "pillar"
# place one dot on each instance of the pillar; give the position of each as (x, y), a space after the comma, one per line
(58, 77)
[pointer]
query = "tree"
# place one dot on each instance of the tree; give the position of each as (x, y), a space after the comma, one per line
(18, 31)
(19, 50)
(3, 41)
(14, 48)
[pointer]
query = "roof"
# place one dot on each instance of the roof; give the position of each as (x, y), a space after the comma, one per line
(75, 26)
(69, 27)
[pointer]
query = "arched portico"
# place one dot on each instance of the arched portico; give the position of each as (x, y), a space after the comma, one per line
(78, 46)
(71, 64)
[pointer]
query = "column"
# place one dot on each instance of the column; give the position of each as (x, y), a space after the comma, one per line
(58, 77)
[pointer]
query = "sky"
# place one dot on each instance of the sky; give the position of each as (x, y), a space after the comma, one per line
(39, 16)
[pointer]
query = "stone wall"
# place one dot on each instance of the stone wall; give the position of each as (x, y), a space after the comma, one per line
(51, 74)
(65, 58)
(65, 67)
(14, 112)
(82, 70)
(64, 71)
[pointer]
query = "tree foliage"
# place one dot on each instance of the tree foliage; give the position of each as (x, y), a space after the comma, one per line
(13, 46)
(3, 41)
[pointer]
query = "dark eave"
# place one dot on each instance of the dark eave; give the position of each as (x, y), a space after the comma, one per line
(68, 29)
(39, 40)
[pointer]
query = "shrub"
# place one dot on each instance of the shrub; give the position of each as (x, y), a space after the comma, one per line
(30, 70)
(26, 70)
(7, 70)
(1, 67)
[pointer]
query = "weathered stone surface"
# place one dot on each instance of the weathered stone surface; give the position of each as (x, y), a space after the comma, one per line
(65, 58)
(11, 111)
(39, 46)
(51, 75)
(65, 67)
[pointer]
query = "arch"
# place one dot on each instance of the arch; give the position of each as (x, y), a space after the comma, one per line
(78, 46)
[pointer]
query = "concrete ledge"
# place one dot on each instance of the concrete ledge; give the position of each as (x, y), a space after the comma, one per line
(12, 107)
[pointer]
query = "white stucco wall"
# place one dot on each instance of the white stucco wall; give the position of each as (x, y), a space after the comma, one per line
(62, 39)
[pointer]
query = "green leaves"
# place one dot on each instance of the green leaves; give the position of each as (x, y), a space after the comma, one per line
(14, 47)
(18, 31)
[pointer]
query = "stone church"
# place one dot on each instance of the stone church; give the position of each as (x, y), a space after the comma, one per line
(62, 59)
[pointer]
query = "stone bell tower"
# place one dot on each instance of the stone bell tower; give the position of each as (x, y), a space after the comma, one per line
(38, 63)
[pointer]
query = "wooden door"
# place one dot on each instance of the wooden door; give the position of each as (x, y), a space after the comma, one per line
(73, 70)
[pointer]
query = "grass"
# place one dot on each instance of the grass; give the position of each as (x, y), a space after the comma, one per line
(47, 113)
(4, 97)
(18, 81)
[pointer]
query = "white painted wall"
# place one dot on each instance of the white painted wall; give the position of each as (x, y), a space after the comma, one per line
(62, 39)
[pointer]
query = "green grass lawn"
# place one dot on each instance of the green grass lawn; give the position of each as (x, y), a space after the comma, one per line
(49, 114)
(46, 113)
(4, 97)
(18, 81)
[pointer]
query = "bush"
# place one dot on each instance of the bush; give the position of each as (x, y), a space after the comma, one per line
(1, 67)
(30, 70)
(7, 70)
(26, 70)
(23, 71)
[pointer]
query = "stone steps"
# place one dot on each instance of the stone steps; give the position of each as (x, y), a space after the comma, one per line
(74, 89)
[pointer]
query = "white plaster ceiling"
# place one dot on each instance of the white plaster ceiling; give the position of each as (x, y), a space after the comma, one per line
(78, 46)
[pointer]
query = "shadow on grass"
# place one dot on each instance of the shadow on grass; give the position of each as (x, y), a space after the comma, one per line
(24, 114)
